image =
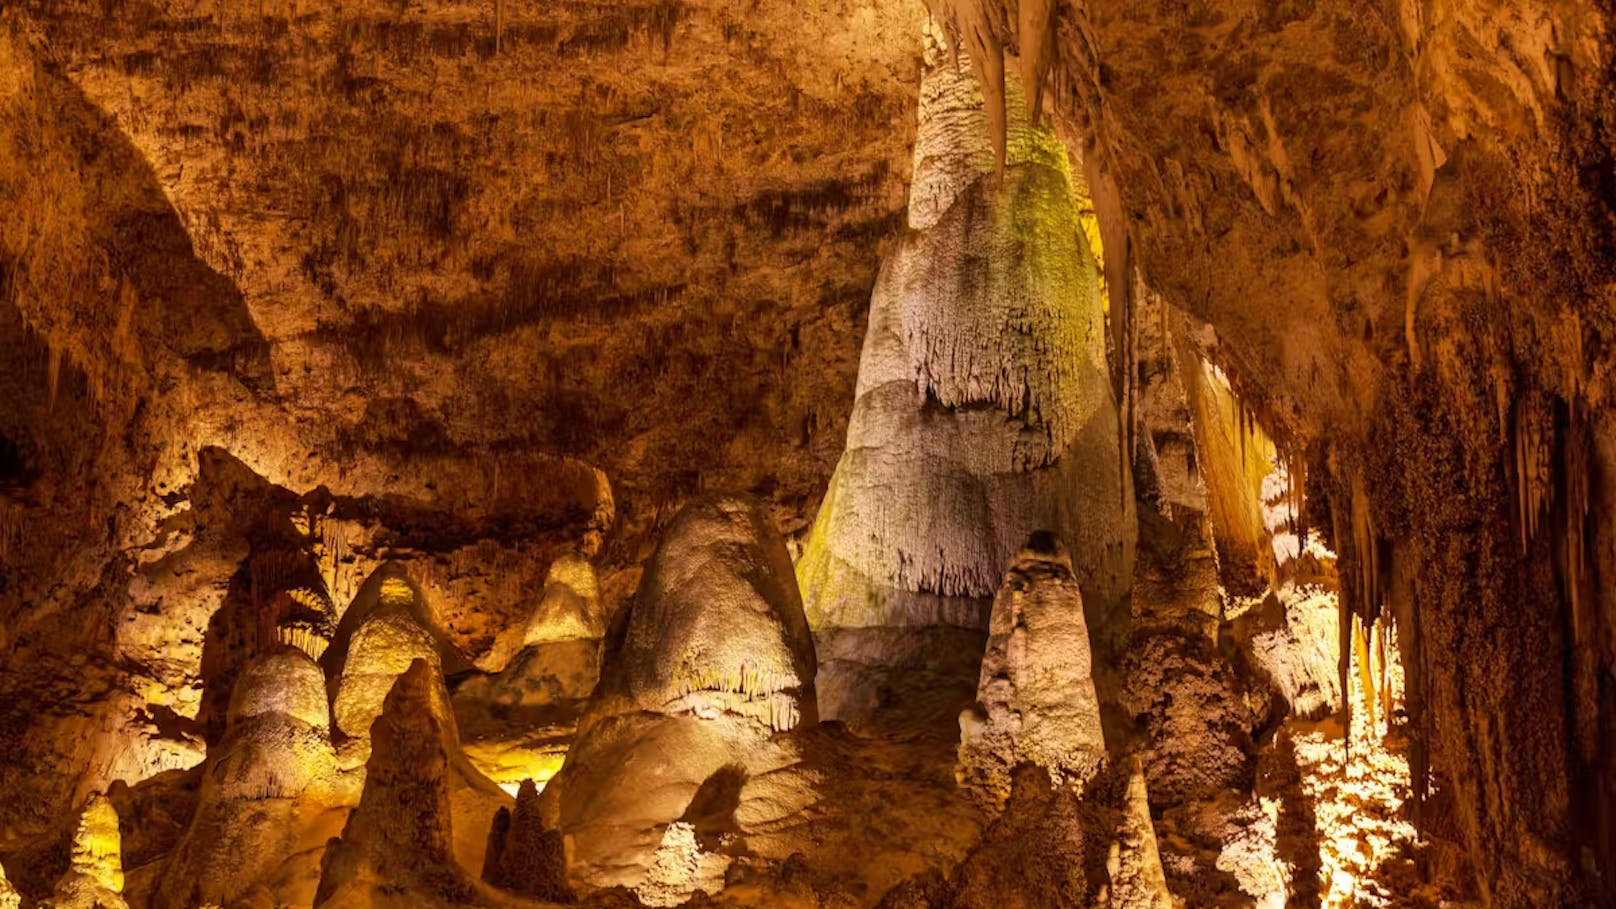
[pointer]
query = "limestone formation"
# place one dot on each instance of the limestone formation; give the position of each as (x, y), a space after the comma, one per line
(1134, 864)
(381, 648)
(983, 413)
(516, 724)
(523, 856)
(1036, 702)
(264, 788)
(717, 626)
(710, 672)
(291, 292)
(94, 878)
(9, 897)
(570, 607)
(1054, 846)
(397, 848)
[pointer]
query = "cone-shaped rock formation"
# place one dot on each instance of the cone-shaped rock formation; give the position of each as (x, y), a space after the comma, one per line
(523, 856)
(983, 412)
(94, 878)
(516, 724)
(1036, 702)
(263, 788)
(704, 678)
(398, 846)
(382, 647)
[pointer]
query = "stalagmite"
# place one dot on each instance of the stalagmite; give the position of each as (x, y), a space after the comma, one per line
(517, 723)
(704, 685)
(570, 607)
(382, 648)
(9, 897)
(1134, 864)
(524, 857)
(983, 413)
(1036, 702)
(94, 878)
(397, 848)
(264, 786)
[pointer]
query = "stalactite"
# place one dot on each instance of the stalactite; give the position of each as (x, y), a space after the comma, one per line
(1534, 471)
(1365, 600)
(970, 22)
(53, 375)
(1576, 467)
(1361, 633)
(1035, 36)
(1128, 373)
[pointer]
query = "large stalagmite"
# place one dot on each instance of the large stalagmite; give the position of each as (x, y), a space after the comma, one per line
(1036, 702)
(703, 684)
(398, 846)
(381, 647)
(264, 788)
(983, 413)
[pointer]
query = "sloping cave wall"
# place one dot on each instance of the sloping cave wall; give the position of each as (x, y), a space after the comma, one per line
(1397, 215)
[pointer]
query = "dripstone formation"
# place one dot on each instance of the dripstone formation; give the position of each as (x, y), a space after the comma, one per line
(706, 682)
(859, 454)
(983, 413)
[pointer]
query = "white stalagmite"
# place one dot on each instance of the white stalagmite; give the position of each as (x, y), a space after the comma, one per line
(983, 412)
(709, 678)
(1036, 701)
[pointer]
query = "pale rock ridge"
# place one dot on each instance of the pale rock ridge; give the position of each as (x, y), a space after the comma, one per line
(689, 739)
(983, 412)
(1036, 702)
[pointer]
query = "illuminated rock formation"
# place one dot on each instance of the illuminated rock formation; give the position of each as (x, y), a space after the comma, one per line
(9, 897)
(983, 413)
(391, 633)
(1036, 702)
(397, 848)
(264, 789)
(717, 626)
(516, 723)
(381, 648)
(570, 608)
(94, 878)
(1134, 863)
(710, 670)
(1054, 846)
